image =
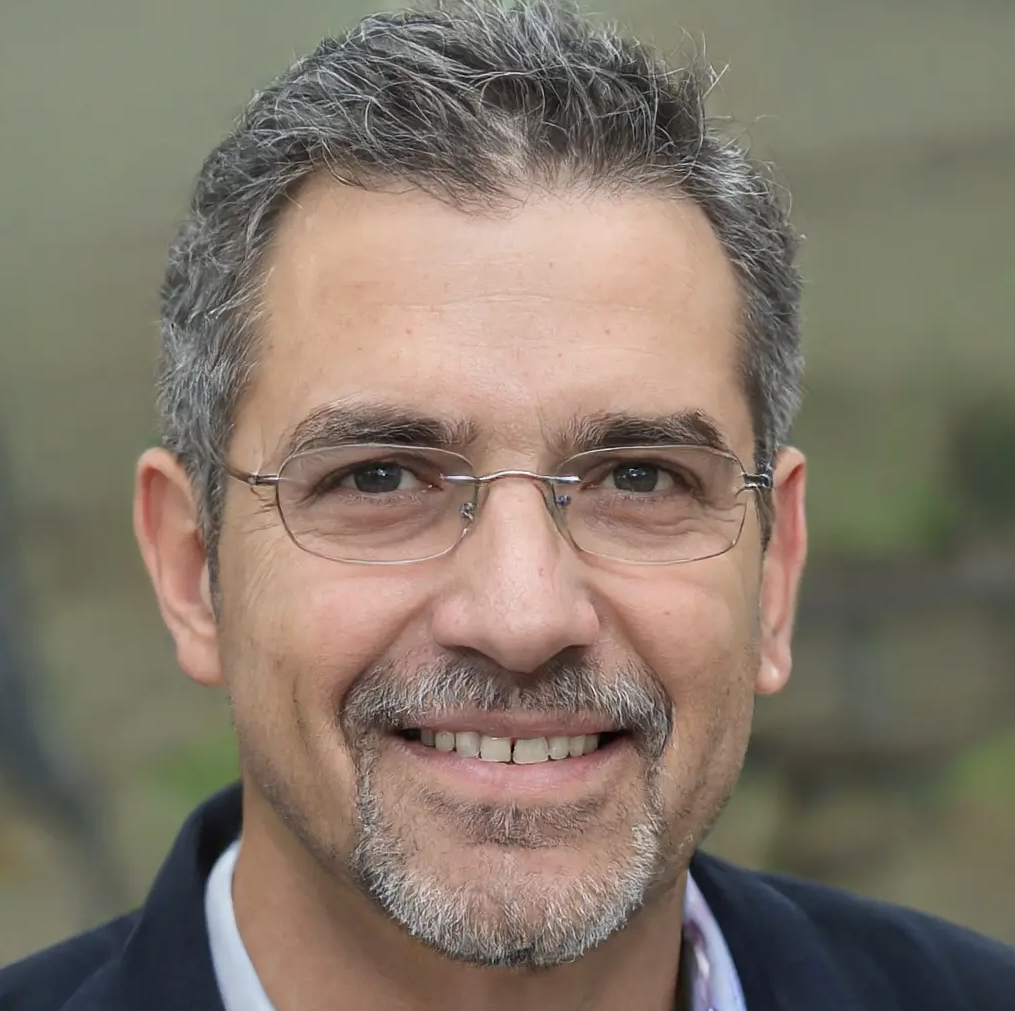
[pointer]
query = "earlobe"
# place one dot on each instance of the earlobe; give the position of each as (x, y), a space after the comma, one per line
(782, 571)
(772, 675)
(167, 531)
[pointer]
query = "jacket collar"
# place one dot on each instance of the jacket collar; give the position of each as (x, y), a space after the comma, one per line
(776, 947)
(166, 963)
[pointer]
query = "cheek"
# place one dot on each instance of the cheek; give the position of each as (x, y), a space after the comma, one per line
(699, 637)
(695, 630)
(303, 628)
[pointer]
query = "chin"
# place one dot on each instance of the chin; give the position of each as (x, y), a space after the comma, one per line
(494, 903)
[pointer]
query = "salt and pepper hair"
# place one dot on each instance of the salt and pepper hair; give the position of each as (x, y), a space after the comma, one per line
(469, 102)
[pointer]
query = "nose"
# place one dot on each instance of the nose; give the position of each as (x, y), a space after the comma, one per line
(516, 592)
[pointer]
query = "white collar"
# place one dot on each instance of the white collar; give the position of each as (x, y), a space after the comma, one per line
(715, 985)
(237, 979)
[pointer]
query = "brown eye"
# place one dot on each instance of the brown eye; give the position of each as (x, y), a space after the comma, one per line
(640, 478)
(379, 478)
(376, 477)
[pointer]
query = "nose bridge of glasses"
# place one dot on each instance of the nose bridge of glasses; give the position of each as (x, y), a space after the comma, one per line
(553, 488)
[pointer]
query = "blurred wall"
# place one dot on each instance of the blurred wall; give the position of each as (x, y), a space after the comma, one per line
(892, 120)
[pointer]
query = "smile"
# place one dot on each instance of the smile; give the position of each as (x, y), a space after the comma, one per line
(516, 750)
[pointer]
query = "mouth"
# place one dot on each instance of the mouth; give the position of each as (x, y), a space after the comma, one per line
(505, 749)
(531, 758)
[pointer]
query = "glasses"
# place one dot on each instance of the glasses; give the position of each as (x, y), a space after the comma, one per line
(384, 505)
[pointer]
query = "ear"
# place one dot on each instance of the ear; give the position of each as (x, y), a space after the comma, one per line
(782, 571)
(166, 527)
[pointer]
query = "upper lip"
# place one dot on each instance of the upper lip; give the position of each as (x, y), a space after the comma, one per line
(521, 726)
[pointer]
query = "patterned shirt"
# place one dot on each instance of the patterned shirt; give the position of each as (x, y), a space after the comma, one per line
(713, 985)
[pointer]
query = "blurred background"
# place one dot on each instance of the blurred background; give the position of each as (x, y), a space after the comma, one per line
(888, 766)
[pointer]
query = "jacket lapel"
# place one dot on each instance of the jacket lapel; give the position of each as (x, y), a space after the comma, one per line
(776, 949)
(166, 963)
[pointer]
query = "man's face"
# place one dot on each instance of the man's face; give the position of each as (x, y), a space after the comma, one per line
(516, 327)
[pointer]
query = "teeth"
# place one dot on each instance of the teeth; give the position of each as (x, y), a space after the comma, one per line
(495, 749)
(467, 744)
(528, 751)
(531, 751)
(560, 747)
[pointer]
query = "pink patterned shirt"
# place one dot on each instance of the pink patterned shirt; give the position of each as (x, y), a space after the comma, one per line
(715, 985)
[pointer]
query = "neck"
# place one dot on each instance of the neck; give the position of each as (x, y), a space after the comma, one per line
(312, 937)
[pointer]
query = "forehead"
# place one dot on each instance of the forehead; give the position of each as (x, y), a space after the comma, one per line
(513, 323)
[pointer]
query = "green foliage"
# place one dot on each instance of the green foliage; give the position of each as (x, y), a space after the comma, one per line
(192, 772)
(986, 773)
(980, 454)
(909, 470)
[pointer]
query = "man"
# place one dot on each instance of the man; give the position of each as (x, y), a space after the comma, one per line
(480, 356)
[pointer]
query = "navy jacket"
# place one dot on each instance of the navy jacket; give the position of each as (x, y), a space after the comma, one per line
(797, 946)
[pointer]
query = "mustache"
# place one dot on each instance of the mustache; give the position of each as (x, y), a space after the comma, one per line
(386, 698)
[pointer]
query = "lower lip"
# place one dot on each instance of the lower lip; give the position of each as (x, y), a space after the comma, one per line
(542, 778)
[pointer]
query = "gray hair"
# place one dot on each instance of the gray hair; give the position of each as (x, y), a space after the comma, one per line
(467, 102)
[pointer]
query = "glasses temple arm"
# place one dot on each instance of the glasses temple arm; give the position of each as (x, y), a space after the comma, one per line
(763, 481)
(251, 480)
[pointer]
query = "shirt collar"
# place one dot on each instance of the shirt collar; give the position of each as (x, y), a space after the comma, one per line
(235, 974)
(714, 984)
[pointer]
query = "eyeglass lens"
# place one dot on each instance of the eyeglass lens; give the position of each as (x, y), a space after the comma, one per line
(391, 504)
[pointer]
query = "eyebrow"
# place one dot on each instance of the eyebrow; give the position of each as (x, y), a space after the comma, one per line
(615, 430)
(343, 422)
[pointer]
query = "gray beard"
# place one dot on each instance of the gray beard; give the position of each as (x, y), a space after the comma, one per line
(502, 919)
(511, 917)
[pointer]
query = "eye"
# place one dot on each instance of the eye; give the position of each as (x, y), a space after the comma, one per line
(642, 478)
(378, 477)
